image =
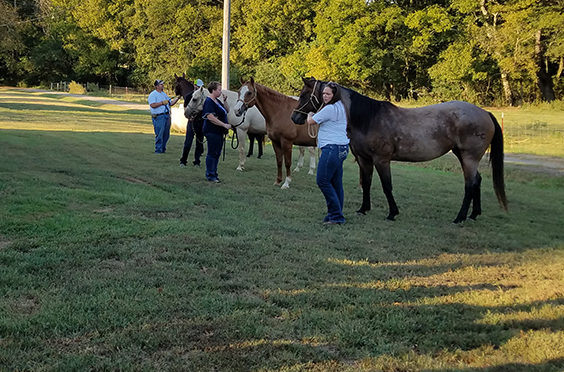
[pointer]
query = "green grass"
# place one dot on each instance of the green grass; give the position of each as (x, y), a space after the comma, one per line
(112, 257)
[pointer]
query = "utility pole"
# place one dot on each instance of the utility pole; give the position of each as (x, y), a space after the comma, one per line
(225, 46)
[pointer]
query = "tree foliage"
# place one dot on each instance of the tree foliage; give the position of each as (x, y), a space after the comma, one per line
(487, 51)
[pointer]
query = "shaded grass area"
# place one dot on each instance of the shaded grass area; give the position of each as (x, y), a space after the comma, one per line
(112, 257)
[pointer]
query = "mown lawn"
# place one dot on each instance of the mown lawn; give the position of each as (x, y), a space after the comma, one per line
(112, 257)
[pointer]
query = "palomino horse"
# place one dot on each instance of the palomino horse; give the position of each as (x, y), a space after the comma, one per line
(276, 109)
(253, 122)
(380, 132)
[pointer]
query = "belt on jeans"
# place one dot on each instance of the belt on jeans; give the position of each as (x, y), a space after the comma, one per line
(162, 113)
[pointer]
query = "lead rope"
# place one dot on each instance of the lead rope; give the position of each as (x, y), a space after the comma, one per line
(235, 137)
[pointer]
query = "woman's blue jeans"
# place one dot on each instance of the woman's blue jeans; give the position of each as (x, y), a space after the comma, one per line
(330, 180)
(215, 144)
(161, 124)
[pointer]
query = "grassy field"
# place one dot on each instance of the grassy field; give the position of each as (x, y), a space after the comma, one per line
(112, 257)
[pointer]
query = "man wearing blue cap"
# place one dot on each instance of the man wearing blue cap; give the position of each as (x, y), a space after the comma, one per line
(160, 104)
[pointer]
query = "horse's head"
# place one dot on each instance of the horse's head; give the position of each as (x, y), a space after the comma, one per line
(310, 100)
(247, 97)
(196, 102)
(182, 87)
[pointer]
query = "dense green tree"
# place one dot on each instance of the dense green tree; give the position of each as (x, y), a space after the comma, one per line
(448, 49)
(11, 43)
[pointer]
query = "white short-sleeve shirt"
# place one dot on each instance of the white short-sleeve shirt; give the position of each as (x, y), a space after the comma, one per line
(332, 121)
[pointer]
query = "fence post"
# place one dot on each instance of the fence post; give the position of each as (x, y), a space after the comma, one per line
(110, 89)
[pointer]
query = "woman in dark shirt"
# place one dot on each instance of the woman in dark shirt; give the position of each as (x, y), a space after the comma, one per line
(215, 128)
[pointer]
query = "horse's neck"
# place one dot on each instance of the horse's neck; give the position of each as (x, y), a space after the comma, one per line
(269, 101)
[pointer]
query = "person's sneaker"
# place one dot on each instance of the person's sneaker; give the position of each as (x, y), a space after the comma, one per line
(333, 223)
(197, 165)
(182, 165)
(214, 180)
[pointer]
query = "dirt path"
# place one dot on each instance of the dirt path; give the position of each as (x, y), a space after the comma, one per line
(535, 163)
(104, 100)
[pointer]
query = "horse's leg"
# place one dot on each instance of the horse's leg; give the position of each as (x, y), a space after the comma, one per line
(260, 142)
(251, 144)
(475, 192)
(242, 135)
(476, 202)
(279, 158)
(385, 174)
(301, 156)
(366, 169)
(311, 160)
(472, 181)
(287, 148)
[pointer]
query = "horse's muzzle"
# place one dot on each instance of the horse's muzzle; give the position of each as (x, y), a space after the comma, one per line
(299, 118)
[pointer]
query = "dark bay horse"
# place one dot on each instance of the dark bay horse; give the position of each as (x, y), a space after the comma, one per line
(380, 132)
(283, 133)
(183, 88)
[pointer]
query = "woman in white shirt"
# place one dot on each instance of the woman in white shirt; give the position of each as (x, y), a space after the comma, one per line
(334, 144)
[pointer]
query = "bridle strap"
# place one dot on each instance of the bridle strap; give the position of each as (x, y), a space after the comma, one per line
(311, 99)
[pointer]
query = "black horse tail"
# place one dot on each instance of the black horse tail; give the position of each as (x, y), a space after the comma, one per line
(496, 161)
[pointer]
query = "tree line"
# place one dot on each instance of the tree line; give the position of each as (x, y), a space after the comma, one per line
(483, 51)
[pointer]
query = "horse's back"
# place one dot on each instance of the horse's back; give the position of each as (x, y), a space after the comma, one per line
(427, 132)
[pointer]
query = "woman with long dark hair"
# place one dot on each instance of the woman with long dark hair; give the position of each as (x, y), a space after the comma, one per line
(334, 144)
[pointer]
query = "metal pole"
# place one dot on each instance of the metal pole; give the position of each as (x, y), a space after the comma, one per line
(225, 46)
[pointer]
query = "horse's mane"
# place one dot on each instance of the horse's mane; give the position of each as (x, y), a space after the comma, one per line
(361, 108)
(275, 94)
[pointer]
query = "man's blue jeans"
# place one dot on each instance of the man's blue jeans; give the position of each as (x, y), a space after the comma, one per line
(161, 124)
(215, 144)
(330, 180)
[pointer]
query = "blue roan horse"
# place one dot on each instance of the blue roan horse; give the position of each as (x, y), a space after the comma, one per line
(381, 132)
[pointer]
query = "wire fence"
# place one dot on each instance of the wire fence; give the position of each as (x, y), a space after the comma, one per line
(535, 138)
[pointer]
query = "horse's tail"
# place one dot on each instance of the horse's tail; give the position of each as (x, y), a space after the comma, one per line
(496, 161)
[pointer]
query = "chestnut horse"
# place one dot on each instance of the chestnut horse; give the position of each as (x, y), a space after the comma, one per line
(380, 132)
(283, 133)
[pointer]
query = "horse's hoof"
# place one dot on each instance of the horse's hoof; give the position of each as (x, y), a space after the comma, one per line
(361, 212)
(473, 216)
(391, 218)
(459, 220)
(311, 173)
(240, 168)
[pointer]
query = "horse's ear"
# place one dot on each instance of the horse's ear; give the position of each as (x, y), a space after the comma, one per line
(252, 80)
(183, 75)
(176, 77)
(241, 80)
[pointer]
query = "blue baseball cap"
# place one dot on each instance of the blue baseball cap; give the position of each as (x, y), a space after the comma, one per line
(199, 83)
